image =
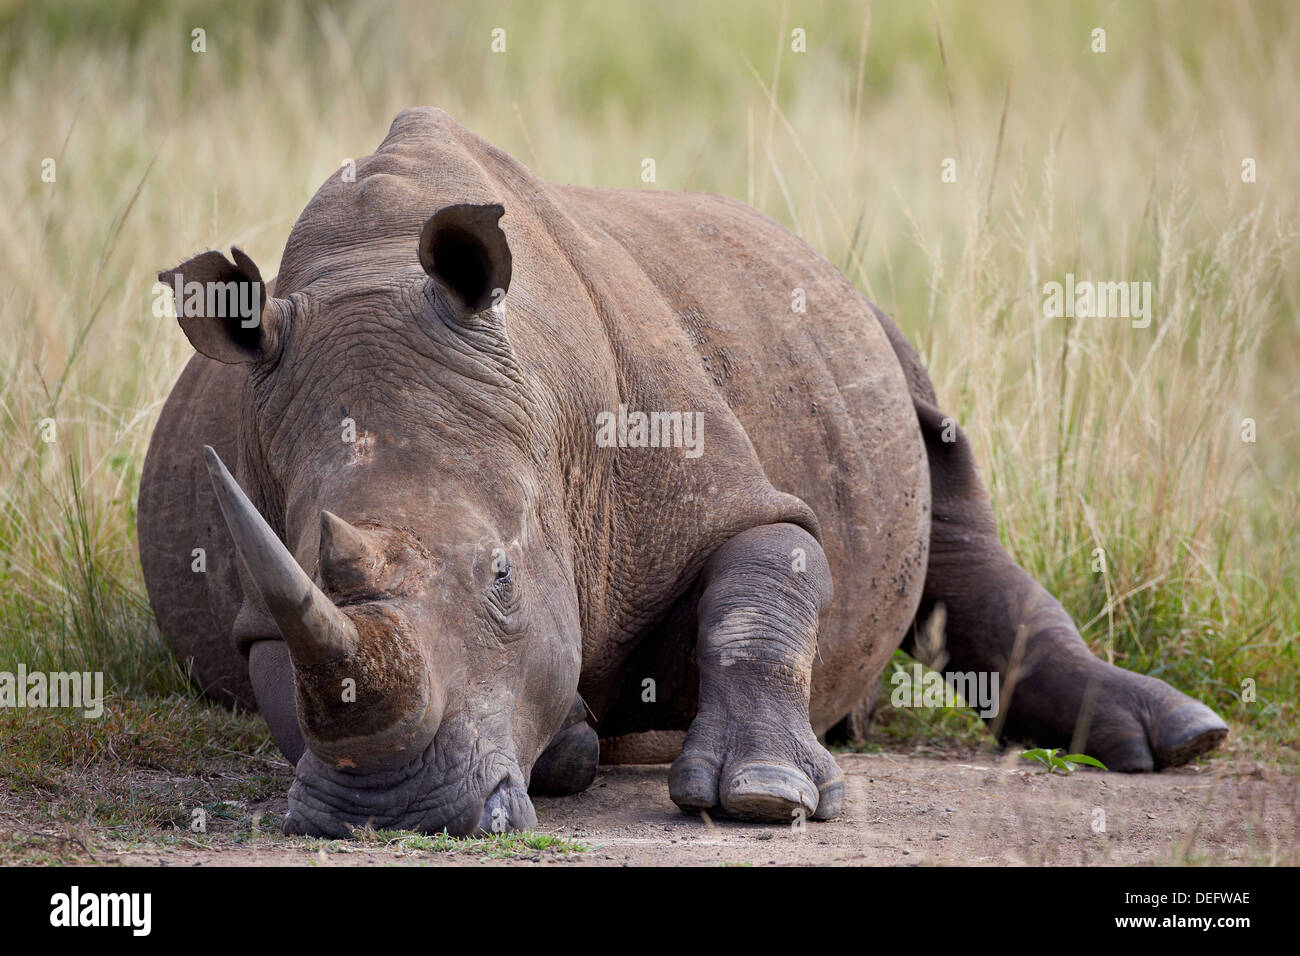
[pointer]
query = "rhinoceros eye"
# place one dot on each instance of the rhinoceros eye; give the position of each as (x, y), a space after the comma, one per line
(503, 599)
(503, 579)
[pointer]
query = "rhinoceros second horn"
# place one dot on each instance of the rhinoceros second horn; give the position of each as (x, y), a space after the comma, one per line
(313, 627)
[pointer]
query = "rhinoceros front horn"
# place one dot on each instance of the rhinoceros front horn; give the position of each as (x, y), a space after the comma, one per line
(313, 627)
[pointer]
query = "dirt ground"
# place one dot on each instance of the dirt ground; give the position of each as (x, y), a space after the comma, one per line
(901, 810)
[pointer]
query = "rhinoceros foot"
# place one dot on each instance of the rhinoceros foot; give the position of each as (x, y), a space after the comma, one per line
(746, 780)
(1133, 723)
(1188, 732)
(1151, 726)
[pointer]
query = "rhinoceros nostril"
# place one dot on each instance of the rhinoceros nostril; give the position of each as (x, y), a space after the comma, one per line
(507, 808)
(496, 812)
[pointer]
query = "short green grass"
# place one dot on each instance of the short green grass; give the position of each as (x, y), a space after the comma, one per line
(512, 845)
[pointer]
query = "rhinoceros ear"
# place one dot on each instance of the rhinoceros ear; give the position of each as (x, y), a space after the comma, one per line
(223, 307)
(464, 251)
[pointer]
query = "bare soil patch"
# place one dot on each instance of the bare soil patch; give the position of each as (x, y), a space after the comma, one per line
(970, 808)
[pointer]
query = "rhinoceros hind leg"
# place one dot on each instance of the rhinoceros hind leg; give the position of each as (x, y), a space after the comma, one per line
(751, 749)
(568, 764)
(996, 619)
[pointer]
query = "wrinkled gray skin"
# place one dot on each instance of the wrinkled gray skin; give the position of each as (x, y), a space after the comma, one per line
(494, 586)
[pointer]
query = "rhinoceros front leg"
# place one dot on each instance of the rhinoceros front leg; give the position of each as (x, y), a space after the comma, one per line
(751, 749)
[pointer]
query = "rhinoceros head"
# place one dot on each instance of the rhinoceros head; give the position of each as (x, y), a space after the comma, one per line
(399, 531)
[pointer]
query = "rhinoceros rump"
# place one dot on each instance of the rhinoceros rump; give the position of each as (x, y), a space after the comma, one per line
(446, 585)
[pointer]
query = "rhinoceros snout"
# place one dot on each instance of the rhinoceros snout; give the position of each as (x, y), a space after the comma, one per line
(325, 801)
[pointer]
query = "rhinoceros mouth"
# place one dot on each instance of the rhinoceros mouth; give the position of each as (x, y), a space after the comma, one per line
(489, 797)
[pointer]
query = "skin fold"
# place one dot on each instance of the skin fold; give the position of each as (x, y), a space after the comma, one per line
(441, 589)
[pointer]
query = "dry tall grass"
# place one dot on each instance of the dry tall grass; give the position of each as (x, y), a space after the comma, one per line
(1114, 166)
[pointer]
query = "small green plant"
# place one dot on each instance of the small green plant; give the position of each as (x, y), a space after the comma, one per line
(1053, 761)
